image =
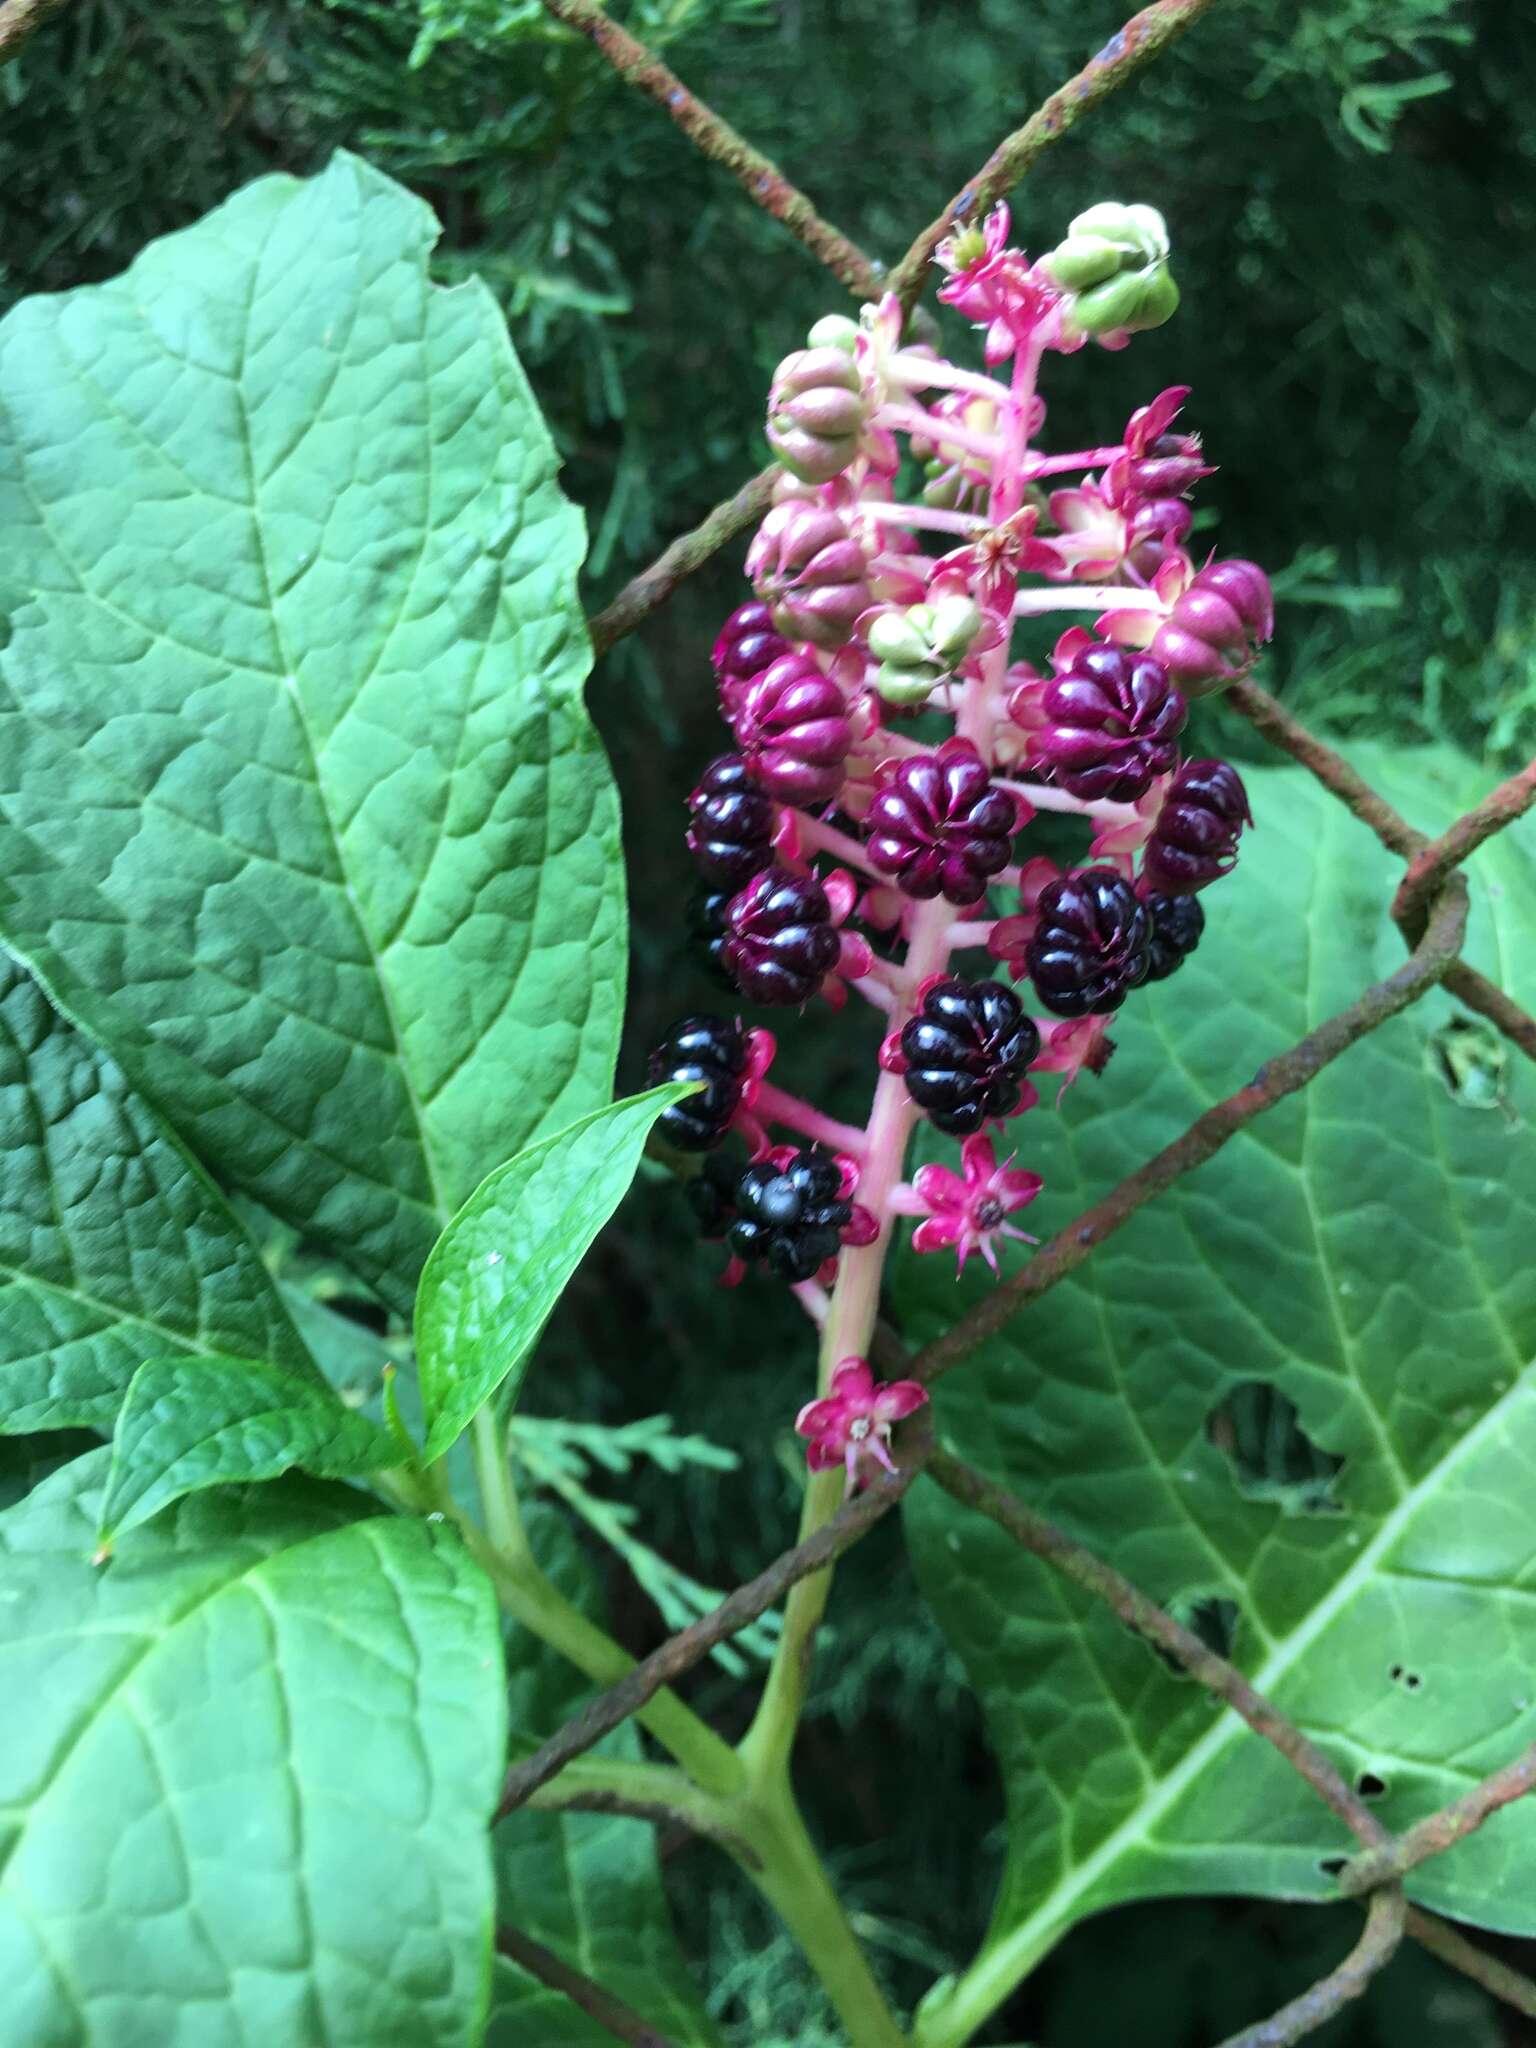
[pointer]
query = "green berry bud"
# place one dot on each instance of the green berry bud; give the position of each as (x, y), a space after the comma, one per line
(906, 686)
(966, 248)
(901, 638)
(1084, 260)
(955, 622)
(834, 330)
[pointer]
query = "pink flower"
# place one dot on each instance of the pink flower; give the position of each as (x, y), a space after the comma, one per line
(1069, 1048)
(967, 1209)
(851, 1424)
(994, 286)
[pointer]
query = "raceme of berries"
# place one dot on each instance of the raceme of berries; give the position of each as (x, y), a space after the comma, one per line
(779, 944)
(731, 836)
(1092, 943)
(1177, 922)
(939, 827)
(790, 1216)
(1194, 841)
(965, 1054)
(709, 1050)
(957, 622)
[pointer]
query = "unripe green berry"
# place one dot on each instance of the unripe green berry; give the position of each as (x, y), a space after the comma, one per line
(834, 330)
(1084, 260)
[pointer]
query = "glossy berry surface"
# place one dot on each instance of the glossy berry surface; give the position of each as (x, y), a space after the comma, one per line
(1194, 842)
(731, 836)
(1112, 722)
(938, 827)
(966, 1051)
(779, 943)
(707, 1049)
(711, 1195)
(706, 921)
(790, 1218)
(1177, 922)
(792, 727)
(1092, 943)
(748, 644)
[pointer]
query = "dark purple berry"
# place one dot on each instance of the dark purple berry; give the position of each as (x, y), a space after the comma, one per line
(1177, 922)
(791, 1217)
(1194, 841)
(939, 827)
(706, 922)
(1112, 720)
(966, 1051)
(748, 644)
(1092, 943)
(711, 1195)
(779, 943)
(707, 1049)
(731, 836)
(792, 725)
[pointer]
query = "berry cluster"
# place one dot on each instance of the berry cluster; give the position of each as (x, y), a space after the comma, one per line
(894, 734)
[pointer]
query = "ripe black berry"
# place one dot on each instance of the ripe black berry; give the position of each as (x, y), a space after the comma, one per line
(966, 1052)
(1177, 922)
(1092, 944)
(706, 921)
(706, 1049)
(779, 943)
(1194, 841)
(791, 1218)
(711, 1195)
(731, 836)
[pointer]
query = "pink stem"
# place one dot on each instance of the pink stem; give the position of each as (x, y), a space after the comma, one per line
(778, 1106)
(813, 1298)
(827, 839)
(911, 419)
(965, 523)
(919, 374)
(970, 931)
(1041, 798)
(1082, 597)
(1083, 458)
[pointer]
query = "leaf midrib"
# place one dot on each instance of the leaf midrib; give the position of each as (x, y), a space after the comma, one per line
(1031, 1936)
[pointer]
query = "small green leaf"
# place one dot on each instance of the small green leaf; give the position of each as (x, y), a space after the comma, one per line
(190, 1423)
(502, 1264)
(247, 1773)
(301, 813)
(114, 1245)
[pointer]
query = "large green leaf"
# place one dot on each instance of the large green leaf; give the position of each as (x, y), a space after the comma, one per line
(300, 811)
(246, 1776)
(503, 1262)
(114, 1244)
(586, 1885)
(186, 1424)
(1367, 1249)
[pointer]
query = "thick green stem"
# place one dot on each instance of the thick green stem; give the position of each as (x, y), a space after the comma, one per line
(796, 1885)
(537, 1604)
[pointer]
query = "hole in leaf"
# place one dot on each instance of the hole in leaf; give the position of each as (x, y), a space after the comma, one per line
(1369, 1786)
(1209, 1616)
(1469, 1057)
(1272, 1458)
(1330, 1866)
(1396, 1674)
(1410, 1681)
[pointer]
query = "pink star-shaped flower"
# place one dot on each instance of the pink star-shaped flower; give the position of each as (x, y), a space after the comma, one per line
(994, 286)
(967, 1209)
(851, 1424)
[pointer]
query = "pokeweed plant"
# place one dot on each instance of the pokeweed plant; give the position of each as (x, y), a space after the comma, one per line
(312, 901)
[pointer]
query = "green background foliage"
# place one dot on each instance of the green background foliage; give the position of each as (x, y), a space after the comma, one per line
(1348, 187)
